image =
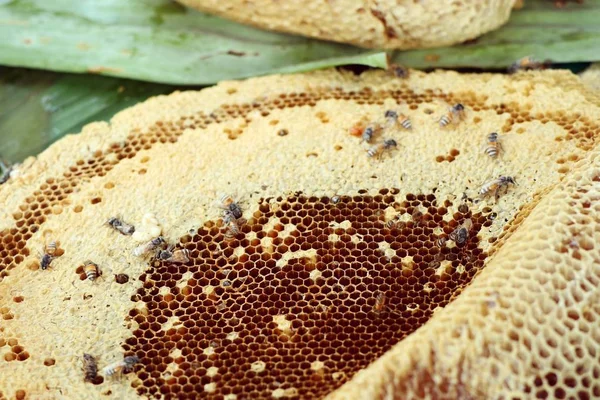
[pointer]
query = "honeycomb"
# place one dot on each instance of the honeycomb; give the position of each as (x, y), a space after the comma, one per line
(291, 307)
(368, 24)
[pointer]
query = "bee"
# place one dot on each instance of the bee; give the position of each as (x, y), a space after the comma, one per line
(149, 247)
(461, 234)
(398, 71)
(378, 149)
(233, 228)
(232, 210)
(91, 270)
(493, 187)
(46, 260)
(417, 216)
(395, 224)
(121, 226)
(379, 305)
(370, 131)
(493, 145)
(179, 256)
(526, 64)
(90, 367)
(441, 241)
(463, 208)
(394, 118)
(454, 115)
(121, 367)
(50, 248)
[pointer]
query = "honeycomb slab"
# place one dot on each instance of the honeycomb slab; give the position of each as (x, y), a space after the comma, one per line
(347, 276)
(388, 24)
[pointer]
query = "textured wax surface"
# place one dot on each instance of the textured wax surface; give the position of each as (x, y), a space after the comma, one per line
(389, 24)
(291, 306)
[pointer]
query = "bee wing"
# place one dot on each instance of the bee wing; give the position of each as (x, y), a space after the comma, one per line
(139, 250)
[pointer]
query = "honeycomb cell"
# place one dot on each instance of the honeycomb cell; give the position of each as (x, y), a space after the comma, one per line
(121, 278)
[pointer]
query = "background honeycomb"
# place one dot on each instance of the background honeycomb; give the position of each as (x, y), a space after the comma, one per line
(287, 308)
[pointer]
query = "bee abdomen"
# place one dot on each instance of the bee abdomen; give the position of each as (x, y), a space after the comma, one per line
(491, 151)
(406, 124)
(367, 134)
(445, 120)
(91, 270)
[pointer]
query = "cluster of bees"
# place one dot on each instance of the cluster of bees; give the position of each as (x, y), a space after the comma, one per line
(454, 116)
(232, 218)
(368, 131)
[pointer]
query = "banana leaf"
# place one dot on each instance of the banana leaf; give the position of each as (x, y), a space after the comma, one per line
(541, 29)
(39, 107)
(157, 41)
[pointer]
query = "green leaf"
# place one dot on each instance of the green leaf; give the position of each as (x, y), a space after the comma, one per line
(156, 40)
(37, 107)
(540, 29)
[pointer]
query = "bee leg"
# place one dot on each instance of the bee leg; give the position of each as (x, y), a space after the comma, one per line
(496, 196)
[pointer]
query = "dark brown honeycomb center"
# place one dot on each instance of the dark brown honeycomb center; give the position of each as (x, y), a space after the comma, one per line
(296, 312)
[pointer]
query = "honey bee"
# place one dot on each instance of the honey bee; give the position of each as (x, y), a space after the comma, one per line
(49, 254)
(46, 260)
(463, 208)
(378, 149)
(454, 115)
(526, 64)
(393, 118)
(149, 247)
(90, 367)
(232, 210)
(493, 187)
(121, 226)
(493, 145)
(379, 305)
(461, 234)
(417, 216)
(179, 256)
(51, 248)
(441, 241)
(121, 367)
(233, 228)
(395, 224)
(91, 270)
(398, 71)
(370, 131)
